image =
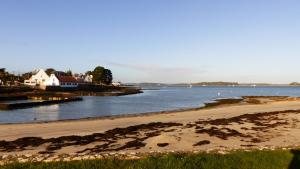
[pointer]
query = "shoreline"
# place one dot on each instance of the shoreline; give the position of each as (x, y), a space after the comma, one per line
(9, 93)
(249, 123)
(207, 105)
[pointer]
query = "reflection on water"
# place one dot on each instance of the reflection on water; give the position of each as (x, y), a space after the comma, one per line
(41, 114)
(150, 101)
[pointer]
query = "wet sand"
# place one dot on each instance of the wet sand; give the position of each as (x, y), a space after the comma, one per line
(251, 122)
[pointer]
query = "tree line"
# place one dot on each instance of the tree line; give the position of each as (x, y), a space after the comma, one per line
(100, 75)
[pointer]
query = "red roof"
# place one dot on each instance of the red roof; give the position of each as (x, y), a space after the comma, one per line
(67, 79)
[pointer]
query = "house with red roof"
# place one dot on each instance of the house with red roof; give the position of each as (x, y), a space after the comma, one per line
(62, 79)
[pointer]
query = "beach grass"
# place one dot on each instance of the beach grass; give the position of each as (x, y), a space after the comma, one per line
(276, 159)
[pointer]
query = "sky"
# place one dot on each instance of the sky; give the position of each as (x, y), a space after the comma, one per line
(169, 41)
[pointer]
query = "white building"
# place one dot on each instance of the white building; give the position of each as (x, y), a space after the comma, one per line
(88, 79)
(116, 84)
(83, 79)
(58, 79)
(38, 79)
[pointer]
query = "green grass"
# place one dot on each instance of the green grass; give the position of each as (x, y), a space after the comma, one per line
(278, 159)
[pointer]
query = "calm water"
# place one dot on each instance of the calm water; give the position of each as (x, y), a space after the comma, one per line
(150, 101)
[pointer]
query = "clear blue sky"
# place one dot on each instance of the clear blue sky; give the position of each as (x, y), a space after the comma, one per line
(155, 40)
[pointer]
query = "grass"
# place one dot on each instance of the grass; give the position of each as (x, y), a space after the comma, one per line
(277, 159)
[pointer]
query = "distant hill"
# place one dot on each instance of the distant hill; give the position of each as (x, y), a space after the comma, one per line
(215, 84)
(257, 84)
(294, 84)
(185, 84)
(159, 85)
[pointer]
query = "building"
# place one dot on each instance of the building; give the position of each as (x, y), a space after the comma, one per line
(40, 78)
(117, 84)
(88, 78)
(79, 78)
(62, 80)
(83, 79)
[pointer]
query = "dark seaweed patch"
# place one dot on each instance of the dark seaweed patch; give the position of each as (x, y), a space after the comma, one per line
(138, 133)
(201, 143)
(162, 144)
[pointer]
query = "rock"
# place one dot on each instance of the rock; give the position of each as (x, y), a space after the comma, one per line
(98, 156)
(85, 157)
(67, 159)
(28, 155)
(23, 160)
(122, 153)
(48, 160)
(4, 156)
(38, 159)
(221, 152)
(72, 154)
(132, 157)
(77, 158)
(57, 160)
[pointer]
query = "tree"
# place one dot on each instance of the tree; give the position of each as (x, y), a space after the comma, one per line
(98, 74)
(2, 72)
(49, 71)
(107, 78)
(69, 73)
(88, 73)
(27, 75)
(102, 75)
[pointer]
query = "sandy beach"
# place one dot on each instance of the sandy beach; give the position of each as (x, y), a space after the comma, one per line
(251, 122)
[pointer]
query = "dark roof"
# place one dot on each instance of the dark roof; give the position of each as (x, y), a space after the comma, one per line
(67, 79)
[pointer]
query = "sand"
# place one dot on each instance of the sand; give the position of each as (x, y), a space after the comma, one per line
(252, 123)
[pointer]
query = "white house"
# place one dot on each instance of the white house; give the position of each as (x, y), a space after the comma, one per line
(83, 79)
(116, 84)
(88, 79)
(38, 79)
(62, 80)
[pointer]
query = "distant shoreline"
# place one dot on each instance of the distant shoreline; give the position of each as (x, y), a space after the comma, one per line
(212, 84)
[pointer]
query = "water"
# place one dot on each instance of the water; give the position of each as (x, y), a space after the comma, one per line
(151, 101)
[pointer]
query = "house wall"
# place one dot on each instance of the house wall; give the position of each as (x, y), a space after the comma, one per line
(53, 81)
(41, 78)
(88, 79)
